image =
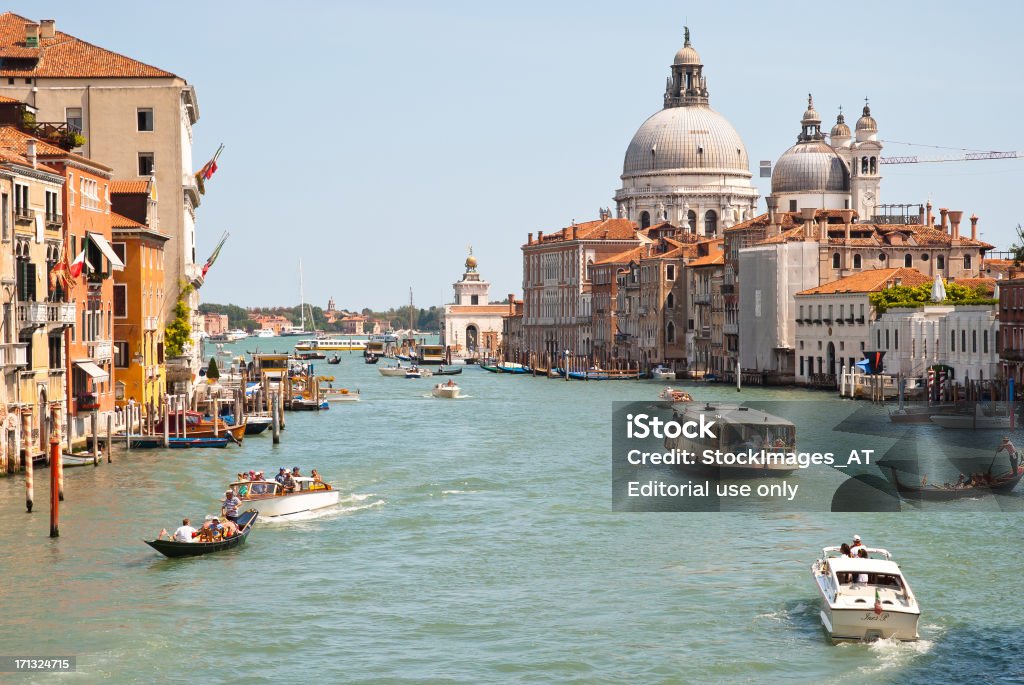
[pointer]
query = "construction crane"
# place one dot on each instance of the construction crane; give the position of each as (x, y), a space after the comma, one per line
(968, 156)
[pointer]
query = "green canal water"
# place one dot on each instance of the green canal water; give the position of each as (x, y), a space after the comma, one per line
(476, 543)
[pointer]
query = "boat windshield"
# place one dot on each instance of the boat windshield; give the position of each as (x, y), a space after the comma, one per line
(247, 490)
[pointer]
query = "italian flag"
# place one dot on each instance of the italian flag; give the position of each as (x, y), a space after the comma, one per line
(878, 603)
(77, 265)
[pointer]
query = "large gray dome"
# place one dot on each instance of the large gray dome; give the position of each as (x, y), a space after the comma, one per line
(810, 167)
(692, 138)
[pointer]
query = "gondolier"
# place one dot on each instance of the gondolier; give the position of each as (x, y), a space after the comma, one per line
(1008, 447)
(229, 507)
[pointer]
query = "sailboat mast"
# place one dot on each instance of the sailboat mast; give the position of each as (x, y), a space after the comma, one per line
(302, 300)
(411, 312)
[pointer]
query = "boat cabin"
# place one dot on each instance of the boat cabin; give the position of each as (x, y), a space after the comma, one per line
(264, 489)
(741, 429)
(853, 582)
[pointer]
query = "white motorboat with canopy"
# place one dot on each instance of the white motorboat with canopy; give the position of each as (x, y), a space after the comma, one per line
(271, 499)
(863, 600)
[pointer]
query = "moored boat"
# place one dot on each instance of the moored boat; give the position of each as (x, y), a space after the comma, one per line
(173, 548)
(270, 498)
(141, 442)
(493, 368)
(865, 599)
(512, 367)
(255, 425)
(70, 459)
(663, 373)
(197, 425)
(447, 390)
(340, 395)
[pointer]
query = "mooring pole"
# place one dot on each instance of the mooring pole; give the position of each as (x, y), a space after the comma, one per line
(55, 496)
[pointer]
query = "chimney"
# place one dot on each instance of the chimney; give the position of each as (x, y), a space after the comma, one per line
(773, 204)
(529, 239)
(31, 152)
(807, 218)
(954, 220)
(920, 215)
(823, 229)
(944, 215)
(572, 233)
(32, 35)
(929, 206)
(974, 226)
(511, 304)
(540, 236)
(47, 28)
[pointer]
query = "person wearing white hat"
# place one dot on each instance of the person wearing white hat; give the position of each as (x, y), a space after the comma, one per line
(856, 547)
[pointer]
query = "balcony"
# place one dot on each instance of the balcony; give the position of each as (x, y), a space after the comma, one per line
(32, 314)
(728, 288)
(100, 351)
(702, 298)
(24, 214)
(731, 329)
(14, 354)
(149, 323)
(54, 222)
(61, 313)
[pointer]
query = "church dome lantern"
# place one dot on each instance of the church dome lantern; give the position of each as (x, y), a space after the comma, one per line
(811, 166)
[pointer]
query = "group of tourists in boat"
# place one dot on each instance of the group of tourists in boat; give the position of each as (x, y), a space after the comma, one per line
(674, 396)
(978, 482)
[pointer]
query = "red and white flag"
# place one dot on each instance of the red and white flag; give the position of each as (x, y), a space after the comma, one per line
(77, 265)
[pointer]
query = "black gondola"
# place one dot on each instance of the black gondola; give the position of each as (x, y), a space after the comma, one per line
(941, 493)
(371, 359)
(441, 371)
(171, 548)
(334, 360)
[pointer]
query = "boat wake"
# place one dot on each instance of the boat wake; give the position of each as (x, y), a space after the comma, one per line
(893, 654)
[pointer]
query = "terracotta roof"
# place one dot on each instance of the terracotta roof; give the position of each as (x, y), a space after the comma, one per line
(9, 156)
(63, 56)
(622, 257)
(119, 221)
(602, 229)
(14, 139)
(126, 186)
(710, 260)
(870, 281)
(988, 284)
(6, 100)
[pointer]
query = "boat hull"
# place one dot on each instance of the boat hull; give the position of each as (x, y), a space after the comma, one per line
(663, 375)
(173, 549)
(254, 425)
(68, 460)
(298, 503)
(392, 371)
(447, 393)
(863, 625)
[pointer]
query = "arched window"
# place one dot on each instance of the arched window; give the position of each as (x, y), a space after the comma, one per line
(710, 222)
(835, 260)
(908, 260)
(645, 219)
(856, 261)
(940, 262)
(670, 332)
(670, 301)
(691, 219)
(873, 165)
(863, 165)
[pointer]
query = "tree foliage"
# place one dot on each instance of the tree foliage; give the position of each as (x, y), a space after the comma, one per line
(921, 295)
(212, 372)
(179, 332)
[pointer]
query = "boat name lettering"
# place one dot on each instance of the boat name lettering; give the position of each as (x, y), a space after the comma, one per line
(870, 616)
(645, 426)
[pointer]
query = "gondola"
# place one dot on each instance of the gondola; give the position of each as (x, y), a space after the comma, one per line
(441, 371)
(157, 441)
(371, 359)
(171, 548)
(334, 360)
(940, 493)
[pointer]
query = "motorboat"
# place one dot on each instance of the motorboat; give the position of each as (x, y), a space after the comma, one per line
(173, 548)
(302, 403)
(761, 444)
(979, 419)
(72, 459)
(671, 395)
(397, 371)
(447, 390)
(265, 333)
(235, 335)
(663, 373)
(270, 498)
(417, 372)
(254, 424)
(863, 600)
(340, 395)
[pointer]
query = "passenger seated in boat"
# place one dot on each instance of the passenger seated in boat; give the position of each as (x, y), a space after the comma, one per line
(230, 529)
(862, 577)
(316, 476)
(844, 550)
(289, 482)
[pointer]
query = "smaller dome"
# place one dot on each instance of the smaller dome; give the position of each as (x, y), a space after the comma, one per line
(840, 130)
(686, 54)
(810, 166)
(867, 122)
(811, 115)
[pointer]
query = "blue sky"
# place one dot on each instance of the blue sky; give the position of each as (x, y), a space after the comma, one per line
(375, 141)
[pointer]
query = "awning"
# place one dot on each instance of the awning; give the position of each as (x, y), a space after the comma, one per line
(108, 252)
(95, 371)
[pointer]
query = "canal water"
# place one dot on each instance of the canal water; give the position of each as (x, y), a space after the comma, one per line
(476, 543)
